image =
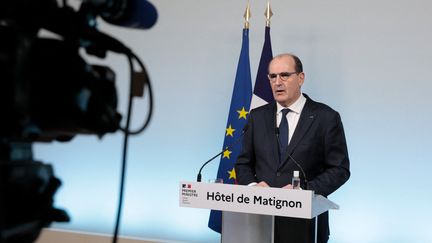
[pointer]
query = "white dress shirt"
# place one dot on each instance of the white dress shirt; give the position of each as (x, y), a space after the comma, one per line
(293, 116)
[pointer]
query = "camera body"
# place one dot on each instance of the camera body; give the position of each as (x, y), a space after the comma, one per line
(47, 91)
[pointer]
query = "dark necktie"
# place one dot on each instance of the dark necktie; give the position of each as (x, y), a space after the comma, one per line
(283, 134)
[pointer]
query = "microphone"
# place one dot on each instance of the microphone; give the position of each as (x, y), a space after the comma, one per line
(221, 152)
(295, 161)
(301, 169)
(139, 14)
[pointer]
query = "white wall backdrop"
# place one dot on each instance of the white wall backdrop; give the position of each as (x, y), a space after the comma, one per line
(370, 60)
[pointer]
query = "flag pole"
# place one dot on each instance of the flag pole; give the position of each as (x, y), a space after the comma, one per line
(268, 14)
(247, 15)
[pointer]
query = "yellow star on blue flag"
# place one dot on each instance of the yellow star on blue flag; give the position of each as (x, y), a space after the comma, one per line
(230, 131)
(242, 113)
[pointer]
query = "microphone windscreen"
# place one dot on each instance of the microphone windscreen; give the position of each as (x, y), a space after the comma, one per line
(138, 14)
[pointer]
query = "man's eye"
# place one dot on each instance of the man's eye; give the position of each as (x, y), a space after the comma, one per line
(285, 75)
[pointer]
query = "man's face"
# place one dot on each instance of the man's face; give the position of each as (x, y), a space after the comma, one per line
(284, 80)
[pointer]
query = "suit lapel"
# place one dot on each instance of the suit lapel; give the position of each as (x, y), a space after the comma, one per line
(271, 132)
(307, 117)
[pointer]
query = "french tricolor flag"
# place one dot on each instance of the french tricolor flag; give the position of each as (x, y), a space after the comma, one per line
(262, 93)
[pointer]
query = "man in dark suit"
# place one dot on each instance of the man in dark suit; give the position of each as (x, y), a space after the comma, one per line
(294, 133)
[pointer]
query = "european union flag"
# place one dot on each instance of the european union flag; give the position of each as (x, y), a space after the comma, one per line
(239, 109)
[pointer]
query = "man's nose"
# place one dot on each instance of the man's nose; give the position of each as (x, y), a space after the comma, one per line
(278, 80)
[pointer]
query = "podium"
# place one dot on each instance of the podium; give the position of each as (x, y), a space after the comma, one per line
(248, 211)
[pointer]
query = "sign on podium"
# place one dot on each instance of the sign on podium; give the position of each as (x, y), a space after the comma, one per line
(251, 201)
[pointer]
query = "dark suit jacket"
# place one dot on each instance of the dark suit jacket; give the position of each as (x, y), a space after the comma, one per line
(318, 145)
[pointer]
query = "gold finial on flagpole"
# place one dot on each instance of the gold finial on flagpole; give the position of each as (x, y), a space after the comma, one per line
(247, 15)
(268, 13)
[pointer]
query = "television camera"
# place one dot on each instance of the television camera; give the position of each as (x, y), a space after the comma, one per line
(48, 92)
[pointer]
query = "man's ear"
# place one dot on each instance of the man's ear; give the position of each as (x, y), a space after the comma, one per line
(302, 78)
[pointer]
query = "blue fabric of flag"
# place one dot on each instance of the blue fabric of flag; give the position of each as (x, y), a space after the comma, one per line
(237, 118)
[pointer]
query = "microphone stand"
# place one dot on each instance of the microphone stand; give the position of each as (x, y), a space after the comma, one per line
(208, 161)
(295, 161)
(217, 155)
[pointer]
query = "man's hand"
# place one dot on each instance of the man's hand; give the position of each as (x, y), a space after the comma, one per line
(262, 184)
(289, 186)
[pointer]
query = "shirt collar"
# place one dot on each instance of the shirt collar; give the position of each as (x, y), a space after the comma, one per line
(295, 107)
